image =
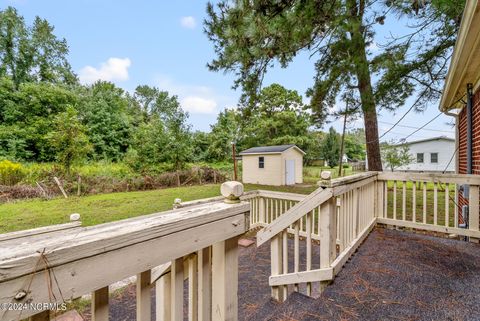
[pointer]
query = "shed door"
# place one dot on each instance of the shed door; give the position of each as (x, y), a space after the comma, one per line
(289, 171)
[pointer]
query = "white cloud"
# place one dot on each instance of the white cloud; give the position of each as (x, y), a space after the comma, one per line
(188, 22)
(199, 105)
(114, 69)
(195, 99)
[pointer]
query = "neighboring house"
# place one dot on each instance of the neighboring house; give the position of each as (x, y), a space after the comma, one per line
(273, 165)
(431, 155)
(461, 95)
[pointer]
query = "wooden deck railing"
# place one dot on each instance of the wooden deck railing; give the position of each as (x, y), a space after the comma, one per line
(59, 263)
(311, 238)
(342, 212)
(428, 202)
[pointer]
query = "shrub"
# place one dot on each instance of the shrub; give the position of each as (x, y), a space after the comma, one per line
(345, 166)
(10, 173)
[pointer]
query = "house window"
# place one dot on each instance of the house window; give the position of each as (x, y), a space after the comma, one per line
(434, 157)
(419, 157)
(261, 162)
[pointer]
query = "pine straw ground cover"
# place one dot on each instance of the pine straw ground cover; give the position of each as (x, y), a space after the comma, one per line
(394, 275)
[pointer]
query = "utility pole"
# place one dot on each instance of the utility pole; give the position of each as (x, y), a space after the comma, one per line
(340, 163)
(234, 157)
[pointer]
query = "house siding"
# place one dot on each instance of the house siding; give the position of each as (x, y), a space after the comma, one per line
(445, 149)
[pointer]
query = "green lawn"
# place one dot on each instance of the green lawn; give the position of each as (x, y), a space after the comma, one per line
(441, 208)
(96, 209)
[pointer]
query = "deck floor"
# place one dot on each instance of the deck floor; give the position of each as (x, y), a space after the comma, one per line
(394, 275)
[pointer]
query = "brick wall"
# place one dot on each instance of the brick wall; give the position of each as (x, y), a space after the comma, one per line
(462, 145)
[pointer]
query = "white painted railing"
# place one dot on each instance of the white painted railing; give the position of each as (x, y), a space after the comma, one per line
(429, 202)
(60, 263)
(342, 212)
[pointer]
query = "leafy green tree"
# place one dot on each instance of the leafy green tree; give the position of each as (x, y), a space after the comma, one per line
(396, 156)
(69, 139)
(251, 36)
(226, 130)
(26, 116)
(148, 145)
(277, 118)
(331, 147)
(32, 53)
(355, 144)
(103, 108)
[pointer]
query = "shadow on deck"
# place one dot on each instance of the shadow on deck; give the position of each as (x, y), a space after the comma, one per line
(394, 275)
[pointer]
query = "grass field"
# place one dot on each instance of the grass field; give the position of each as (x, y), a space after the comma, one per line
(97, 209)
(441, 208)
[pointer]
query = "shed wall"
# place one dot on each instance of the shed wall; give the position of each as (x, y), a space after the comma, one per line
(270, 175)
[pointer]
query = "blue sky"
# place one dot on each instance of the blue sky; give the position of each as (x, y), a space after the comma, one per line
(161, 43)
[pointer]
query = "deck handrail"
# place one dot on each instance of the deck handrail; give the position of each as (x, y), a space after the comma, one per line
(81, 260)
(327, 190)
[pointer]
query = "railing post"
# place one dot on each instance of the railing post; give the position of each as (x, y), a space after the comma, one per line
(144, 299)
(100, 304)
(261, 210)
(473, 210)
(276, 264)
(192, 289)
(225, 280)
(176, 293)
(205, 284)
(328, 236)
(163, 297)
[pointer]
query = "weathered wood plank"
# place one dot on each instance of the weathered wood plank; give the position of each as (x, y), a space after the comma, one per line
(20, 260)
(81, 276)
(50, 230)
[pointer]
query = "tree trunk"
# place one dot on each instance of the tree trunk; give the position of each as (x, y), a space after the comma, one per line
(365, 89)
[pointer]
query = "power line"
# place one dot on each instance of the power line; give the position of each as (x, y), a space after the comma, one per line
(413, 127)
(418, 129)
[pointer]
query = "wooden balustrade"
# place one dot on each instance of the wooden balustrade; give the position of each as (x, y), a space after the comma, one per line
(317, 233)
(428, 201)
(196, 244)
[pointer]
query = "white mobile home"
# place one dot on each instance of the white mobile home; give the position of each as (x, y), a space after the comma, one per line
(431, 155)
(273, 165)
